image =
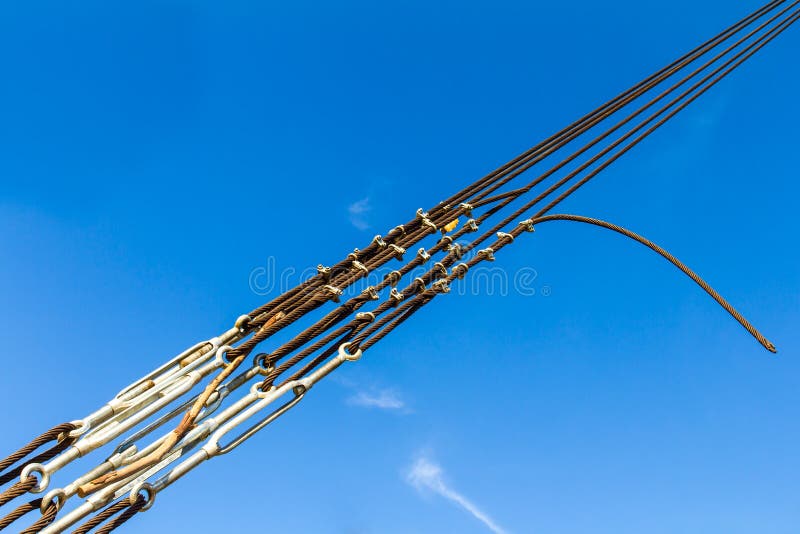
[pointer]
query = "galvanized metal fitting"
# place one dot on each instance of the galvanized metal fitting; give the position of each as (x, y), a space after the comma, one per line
(422, 214)
(242, 322)
(39, 469)
(420, 283)
(471, 225)
(222, 355)
(401, 227)
(441, 286)
(456, 250)
(447, 238)
(354, 255)
(487, 254)
(378, 240)
(460, 270)
(58, 495)
(423, 255)
(505, 235)
(365, 316)
(344, 352)
(527, 224)
(358, 266)
(397, 251)
(427, 222)
(150, 496)
(371, 293)
(261, 361)
(439, 266)
(335, 292)
(467, 207)
(324, 271)
(396, 296)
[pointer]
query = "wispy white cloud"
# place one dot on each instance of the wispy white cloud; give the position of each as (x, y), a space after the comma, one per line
(358, 213)
(428, 475)
(385, 399)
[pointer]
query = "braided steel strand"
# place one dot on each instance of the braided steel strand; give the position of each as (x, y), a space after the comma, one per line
(20, 488)
(660, 76)
(19, 512)
(594, 159)
(786, 24)
(297, 358)
(313, 364)
(103, 516)
(132, 510)
(715, 77)
(48, 516)
(59, 433)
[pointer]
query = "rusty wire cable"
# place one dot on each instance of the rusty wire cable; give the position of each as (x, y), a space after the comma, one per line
(103, 516)
(19, 512)
(362, 333)
(672, 259)
(715, 76)
(17, 489)
(59, 434)
(47, 517)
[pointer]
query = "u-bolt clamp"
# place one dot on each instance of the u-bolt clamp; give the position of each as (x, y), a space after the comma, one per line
(324, 271)
(527, 224)
(487, 254)
(395, 295)
(460, 270)
(358, 266)
(370, 293)
(505, 235)
(398, 251)
(334, 292)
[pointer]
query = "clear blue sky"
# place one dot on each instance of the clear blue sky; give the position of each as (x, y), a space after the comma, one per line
(153, 154)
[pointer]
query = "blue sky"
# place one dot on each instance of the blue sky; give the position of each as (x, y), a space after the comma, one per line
(153, 155)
